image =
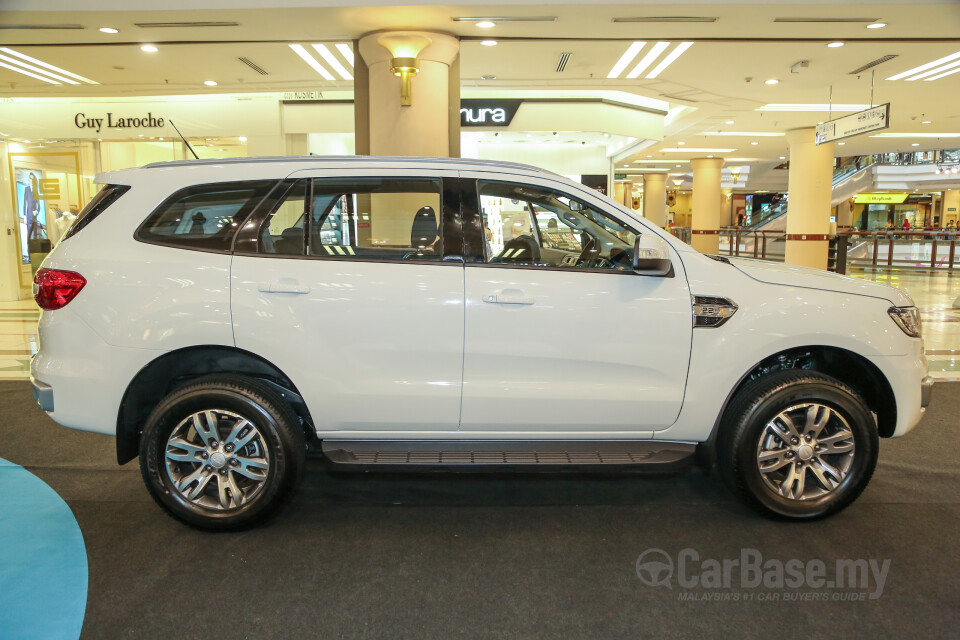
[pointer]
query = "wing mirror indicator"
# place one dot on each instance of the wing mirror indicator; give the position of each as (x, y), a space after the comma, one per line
(651, 257)
(712, 311)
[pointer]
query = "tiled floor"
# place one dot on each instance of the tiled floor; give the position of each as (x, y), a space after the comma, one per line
(18, 338)
(934, 293)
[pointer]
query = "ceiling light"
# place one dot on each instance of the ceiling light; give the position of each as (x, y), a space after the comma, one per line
(748, 134)
(877, 25)
(35, 69)
(681, 143)
(488, 43)
(648, 59)
(926, 122)
(754, 143)
(488, 77)
(210, 83)
(948, 73)
(916, 135)
(696, 150)
(242, 138)
(486, 24)
(331, 59)
(925, 67)
(710, 156)
(109, 30)
(841, 144)
(678, 166)
(45, 65)
(730, 122)
(771, 81)
(666, 62)
(936, 70)
(834, 45)
(310, 60)
(346, 51)
(149, 48)
(626, 59)
(783, 157)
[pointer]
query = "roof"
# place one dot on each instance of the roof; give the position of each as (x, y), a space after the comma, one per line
(321, 160)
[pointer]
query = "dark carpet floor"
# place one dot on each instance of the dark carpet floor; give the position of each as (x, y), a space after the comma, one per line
(499, 556)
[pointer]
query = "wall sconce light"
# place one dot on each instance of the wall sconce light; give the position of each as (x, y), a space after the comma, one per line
(735, 174)
(404, 48)
(678, 182)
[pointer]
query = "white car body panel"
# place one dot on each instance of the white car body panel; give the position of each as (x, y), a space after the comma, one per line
(144, 300)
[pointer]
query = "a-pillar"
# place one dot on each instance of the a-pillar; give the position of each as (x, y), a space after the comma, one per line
(810, 189)
(430, 125)
(655, 198)
(705, 222)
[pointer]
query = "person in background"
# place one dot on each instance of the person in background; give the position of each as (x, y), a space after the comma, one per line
(906, 225)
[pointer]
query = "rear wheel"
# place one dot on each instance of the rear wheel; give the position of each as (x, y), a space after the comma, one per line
(222, 452)
(798, 444)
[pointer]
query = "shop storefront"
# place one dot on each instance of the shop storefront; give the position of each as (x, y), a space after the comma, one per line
(52, 148)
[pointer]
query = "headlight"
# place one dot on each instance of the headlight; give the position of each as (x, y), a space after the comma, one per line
(908, 318)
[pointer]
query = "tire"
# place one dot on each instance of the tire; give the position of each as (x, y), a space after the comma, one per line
(243, 469)
(835, 468)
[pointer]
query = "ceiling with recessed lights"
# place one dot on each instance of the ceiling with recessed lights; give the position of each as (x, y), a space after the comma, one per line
(737, 76)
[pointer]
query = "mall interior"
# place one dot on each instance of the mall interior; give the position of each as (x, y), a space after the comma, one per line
(725, 123)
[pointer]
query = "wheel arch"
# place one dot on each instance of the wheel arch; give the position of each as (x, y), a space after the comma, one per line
(847, 366)
(173, 369)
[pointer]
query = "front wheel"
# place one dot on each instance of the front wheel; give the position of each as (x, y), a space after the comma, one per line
(222, 452)
(798, 444)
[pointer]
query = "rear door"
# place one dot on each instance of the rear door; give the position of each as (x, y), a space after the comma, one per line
(352, 284)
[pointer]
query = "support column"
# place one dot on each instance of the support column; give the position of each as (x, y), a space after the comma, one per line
(655, 198)
(810, 188)
(424, 127)
(705, 222)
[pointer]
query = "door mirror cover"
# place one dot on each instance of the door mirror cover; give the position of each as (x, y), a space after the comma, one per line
(651, 257)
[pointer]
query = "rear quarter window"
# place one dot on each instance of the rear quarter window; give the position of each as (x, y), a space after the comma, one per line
(204, 216)
(100, 202)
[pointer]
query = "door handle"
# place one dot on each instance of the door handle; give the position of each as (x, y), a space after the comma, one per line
(508, 298)
(282, 287)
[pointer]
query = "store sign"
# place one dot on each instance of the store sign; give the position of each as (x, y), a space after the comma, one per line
(488, 113)
(873, 119)
(113, 122)
(880, 198)
(297, 96)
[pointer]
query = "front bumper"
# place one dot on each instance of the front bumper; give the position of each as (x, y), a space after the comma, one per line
(926, 390)
(43, 394)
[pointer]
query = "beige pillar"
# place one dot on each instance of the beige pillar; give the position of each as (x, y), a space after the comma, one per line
(705, 219)
(810, 188)
(655, 198)
(424, 127)
(951, 207)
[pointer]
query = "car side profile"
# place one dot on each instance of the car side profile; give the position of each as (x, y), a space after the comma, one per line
(222, 318)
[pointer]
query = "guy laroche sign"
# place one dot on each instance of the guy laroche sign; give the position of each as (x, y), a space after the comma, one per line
(112, 122)
(487, 113)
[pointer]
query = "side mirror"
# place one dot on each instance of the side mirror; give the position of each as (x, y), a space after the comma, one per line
(651, 257)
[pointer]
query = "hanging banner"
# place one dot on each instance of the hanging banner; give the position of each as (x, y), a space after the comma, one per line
(879, 198)
(855, 124)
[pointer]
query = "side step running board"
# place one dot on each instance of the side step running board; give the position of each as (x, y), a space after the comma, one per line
(474, 454)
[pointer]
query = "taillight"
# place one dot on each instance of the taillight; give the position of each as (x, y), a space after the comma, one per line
(53, 288)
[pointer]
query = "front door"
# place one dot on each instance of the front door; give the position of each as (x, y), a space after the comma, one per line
(561, 335)
(343, 285)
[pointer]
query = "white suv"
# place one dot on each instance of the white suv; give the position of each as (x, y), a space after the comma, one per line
(222, 318)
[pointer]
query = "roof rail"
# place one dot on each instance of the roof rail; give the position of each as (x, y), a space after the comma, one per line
(326, 159)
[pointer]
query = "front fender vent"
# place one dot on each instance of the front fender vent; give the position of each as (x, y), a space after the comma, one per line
(712, 311)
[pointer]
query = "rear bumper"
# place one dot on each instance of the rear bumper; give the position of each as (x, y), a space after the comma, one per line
(43, 394)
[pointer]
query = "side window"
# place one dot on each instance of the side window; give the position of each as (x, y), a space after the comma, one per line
(534, 226)
(364, 218)
(284, 231)
(204, 216)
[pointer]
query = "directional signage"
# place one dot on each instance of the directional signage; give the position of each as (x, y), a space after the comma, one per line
(873, 119)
